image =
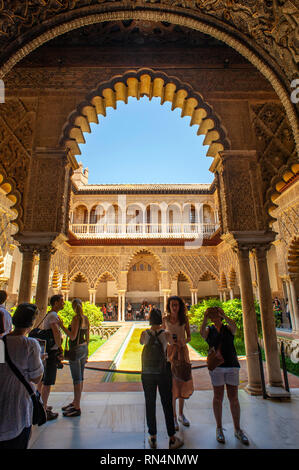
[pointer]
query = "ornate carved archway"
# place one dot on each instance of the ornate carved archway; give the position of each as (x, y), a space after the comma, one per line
(265, 35)
(145, 82)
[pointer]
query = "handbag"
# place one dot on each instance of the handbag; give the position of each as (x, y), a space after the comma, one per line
(70, 352)
(45, 335)
(180, 368)
(39, 416)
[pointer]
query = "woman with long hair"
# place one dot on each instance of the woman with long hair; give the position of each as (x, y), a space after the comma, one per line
(220, 336)
(176, 321)
(79, 339)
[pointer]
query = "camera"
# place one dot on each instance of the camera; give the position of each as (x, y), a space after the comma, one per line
(174, 336)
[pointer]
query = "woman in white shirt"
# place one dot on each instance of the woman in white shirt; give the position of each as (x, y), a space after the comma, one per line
(15, 403)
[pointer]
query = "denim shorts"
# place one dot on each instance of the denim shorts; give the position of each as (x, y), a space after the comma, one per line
(225, 375)
(77, 366)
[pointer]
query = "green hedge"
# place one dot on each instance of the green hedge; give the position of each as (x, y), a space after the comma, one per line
(231, 308)
(94, 313)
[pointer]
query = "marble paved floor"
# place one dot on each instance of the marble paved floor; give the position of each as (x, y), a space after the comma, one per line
(117, 421)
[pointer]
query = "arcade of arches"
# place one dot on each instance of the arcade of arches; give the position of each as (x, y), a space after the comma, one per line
(229, 70)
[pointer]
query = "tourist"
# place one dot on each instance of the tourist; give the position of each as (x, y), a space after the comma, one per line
(277, 312)
(5, 317)
(288, 313)
(110, 311)
(222, 336)
(156, 373)
(104, 310)
(15, 402)
(55, 355)
(129, 311)
(79, 339)
(176, 321)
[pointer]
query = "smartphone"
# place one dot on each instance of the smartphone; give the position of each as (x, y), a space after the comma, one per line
(42, 344)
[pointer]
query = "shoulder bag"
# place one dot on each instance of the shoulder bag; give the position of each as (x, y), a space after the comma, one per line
(180, 368)
(70, 352)
(39, 416)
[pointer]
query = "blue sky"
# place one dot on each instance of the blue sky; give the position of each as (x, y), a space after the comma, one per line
(144, 142)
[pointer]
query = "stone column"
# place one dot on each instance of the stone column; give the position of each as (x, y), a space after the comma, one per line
(66, 295)
(294, 302)
(42, 287)
(26, 273)
(119, 308)
(165, 299)
(195, 297)
(123, 305)
(231, 293)
(220, 296)
(224, 296)
(92, 296)
(267, 316)
(254, 386)
(192, 296)
(290, 304)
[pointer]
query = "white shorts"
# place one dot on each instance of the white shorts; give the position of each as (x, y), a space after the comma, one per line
(225, 375)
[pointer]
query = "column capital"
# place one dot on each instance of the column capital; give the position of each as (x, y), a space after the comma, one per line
(249, 240)
(27, 249)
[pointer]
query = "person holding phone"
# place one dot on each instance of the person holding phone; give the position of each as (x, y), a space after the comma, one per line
(219, 335)
(177, 323)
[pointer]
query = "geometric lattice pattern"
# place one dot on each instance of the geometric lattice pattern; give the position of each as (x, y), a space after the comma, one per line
(92, 267)
(193, 267)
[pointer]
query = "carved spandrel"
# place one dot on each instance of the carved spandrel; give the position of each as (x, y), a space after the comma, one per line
(273, 25)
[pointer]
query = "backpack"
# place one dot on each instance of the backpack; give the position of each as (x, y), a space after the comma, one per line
(153, 356)
(45, 335)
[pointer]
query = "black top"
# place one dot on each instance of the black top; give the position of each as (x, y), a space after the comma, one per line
(82, 337)
(227, 348)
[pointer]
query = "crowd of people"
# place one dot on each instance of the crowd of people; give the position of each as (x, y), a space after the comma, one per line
(165, 366)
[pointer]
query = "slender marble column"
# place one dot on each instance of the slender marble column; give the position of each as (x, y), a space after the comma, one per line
(231, 294)
(123, 306)
(254, 386)
(267, 317)
(290, 303)
(119, 308)
(26, 274)
(195, 297)
(294, 302)
(43, 277)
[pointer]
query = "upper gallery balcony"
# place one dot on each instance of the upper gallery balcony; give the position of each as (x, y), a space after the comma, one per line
(144, 230)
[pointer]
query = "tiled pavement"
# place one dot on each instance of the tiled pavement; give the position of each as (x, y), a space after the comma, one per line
(117, 420)
(104, 356)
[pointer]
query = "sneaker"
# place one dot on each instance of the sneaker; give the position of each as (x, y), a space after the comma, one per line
(175, 443)
(184, 420)
(152, 442)
(220, 436)
(51, 415)
(242, 437)
(176, 424)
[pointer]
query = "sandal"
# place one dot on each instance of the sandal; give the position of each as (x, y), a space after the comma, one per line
(72, 413)
(220, 436)
(67, 407)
